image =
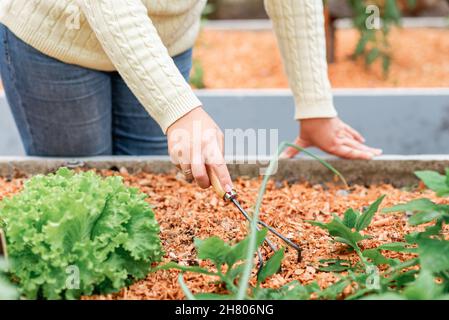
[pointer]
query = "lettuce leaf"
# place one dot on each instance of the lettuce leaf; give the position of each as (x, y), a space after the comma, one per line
(78, 234)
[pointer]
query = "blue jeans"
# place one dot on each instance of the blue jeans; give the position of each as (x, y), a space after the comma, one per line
(64, 110)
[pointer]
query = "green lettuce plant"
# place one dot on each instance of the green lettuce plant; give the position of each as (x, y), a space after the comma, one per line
(71, 234)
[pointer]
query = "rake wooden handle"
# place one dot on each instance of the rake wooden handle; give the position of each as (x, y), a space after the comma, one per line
(215, 182)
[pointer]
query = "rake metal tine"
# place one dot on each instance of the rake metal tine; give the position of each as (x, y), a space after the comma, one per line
(271, 244)
(272, 230)
(282, 237)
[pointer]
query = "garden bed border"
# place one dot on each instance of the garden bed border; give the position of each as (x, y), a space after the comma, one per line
(396, 170)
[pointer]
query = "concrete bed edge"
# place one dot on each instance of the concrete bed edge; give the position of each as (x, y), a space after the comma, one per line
(396, 170)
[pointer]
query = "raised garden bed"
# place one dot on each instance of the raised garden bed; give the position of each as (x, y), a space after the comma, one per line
(191, 213)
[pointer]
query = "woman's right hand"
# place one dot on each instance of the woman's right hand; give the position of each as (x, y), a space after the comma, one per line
(196, 142)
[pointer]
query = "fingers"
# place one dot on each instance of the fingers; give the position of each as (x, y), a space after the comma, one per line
(355, 134)
(349, 148)
(195, 142)
(186, 169)
(347, 152)
(360, 146)
(200, 175)
(214, 154)
(290, 152)
(221, 171)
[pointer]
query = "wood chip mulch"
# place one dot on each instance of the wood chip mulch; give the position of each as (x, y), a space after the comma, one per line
(251, 59)
(185, 212)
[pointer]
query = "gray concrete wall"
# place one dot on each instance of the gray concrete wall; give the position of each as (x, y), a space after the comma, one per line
(400, 121)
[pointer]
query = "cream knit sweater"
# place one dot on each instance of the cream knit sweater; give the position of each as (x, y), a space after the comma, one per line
(137, 38)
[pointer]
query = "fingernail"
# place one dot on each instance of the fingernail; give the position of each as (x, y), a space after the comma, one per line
(228, 188)
(283, 156)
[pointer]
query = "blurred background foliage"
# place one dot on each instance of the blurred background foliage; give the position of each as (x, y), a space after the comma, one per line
(373, 44)
(254, 9)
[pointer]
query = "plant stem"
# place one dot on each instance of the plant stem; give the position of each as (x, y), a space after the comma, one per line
(185, 289)
(229, 284)
(253, 231)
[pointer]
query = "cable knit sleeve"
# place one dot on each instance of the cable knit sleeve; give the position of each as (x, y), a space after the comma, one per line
(132, 43)
(299, 27)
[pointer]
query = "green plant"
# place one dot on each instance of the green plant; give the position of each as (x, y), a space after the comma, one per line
(207, 12)
(197, 77)
(401, 279)
(77, 234)
(228, 263)
(373, 43)
(424, 274)
(246, 251)
(270, 171)
(7, 290)
(347, 231)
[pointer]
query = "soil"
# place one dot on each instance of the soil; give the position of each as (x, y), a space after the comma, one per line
(190, 212)
(251, 59)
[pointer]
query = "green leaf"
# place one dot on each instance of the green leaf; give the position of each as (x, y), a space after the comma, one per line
(271, 266)
(424, 288)
(384, 296)
(372, 55)
(238, 251)
(413, 237)
(424, 217)
(392, 11)
(386, 63)
(333, 291)
(235, 272)
(78, 225)
(197, 77)
(291, 291)
(340, 232)
(396, 247)
(174, 265)
(403, 278)
(334, 265)
(361, 45)
(425, 211)
(433, 254)
(364, 220)
(213, 296)
(417, 205)
(350, 218)
(378, 258)
(213, 249)
(434, 181)
(359, 294)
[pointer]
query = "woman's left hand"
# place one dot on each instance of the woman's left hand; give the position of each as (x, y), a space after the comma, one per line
(333, 136)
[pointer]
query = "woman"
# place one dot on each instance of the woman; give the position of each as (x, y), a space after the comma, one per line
(96, 77)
